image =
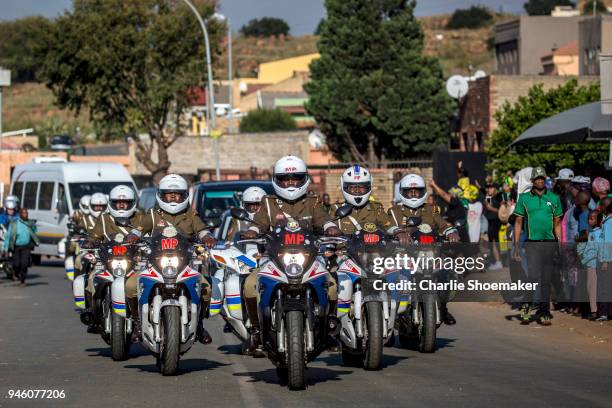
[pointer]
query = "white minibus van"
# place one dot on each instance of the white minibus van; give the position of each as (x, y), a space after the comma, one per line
(51, 189)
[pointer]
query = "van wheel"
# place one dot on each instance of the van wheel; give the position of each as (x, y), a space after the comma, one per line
(36, 259)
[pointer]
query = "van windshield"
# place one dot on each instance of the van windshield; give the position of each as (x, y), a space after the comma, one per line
(78, 190)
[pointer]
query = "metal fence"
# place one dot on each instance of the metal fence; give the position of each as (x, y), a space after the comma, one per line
(399, 164)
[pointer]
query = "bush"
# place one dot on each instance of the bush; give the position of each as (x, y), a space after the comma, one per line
(266, 120)
(474, 17)
(265, 27)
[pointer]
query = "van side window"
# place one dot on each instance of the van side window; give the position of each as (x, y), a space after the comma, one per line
(45, 195)
(18, 190)
(29, 196)
(62, 204)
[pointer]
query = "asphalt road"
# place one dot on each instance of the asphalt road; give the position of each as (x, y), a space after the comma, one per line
(483, 361)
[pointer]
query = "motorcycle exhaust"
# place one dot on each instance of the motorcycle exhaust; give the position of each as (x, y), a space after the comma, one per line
(333, 325)
(86, 318)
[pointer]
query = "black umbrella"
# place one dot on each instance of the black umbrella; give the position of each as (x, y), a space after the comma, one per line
(584, 123)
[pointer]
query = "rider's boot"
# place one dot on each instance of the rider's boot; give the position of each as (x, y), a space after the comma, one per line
(202, 334)
(446, 317)
(331, 340)
(255, 340)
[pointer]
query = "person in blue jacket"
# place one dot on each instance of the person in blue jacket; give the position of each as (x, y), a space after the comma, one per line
(20, 239)
(10, 210)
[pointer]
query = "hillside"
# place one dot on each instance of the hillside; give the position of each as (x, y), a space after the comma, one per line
(457, 49)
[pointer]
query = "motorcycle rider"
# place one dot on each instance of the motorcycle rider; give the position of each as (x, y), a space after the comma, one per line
(10, 213)
(290, 203)
(173, 209)
(98, 205)
(356, 186)
(413, 196)
(251, 202)
(82, 216)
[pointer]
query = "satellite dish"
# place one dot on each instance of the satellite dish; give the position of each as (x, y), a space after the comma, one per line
(316, 139)
(479, 74)
(457, 86)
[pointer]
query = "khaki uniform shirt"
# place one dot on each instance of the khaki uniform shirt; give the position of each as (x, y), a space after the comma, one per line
(371, 213)
(276, 211)
(105, 227)
(399, 215)
(187, 222)
(86, 222)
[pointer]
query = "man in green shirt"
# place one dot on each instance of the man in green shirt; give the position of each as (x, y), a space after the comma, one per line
(540, 211)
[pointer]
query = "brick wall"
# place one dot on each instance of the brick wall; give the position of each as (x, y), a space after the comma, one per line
(237, 151)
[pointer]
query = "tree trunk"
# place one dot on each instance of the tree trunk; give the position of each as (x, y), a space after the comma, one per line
(372, 158)
(144, 154)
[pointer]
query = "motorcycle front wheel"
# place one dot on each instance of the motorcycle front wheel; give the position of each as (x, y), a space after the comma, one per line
(374, 345)
(428, 326)
(171, 340)
(120, 341)
(296, 365)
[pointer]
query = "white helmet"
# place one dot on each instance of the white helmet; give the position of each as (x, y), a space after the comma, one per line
(294, 168)
(122, 193)
(84, 204)
(98, 199)
(11, 202)
(356, 175)
(252, 195)
(413, 181)
(173, 183)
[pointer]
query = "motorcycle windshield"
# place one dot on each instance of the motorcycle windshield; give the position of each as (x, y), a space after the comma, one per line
(364, 247)
(117, 254)
(293, 247)
(170, 252)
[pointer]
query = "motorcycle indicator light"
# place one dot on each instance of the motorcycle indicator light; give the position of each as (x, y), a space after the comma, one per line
(219, 259)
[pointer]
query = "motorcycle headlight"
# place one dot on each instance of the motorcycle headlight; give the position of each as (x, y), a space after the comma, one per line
(294, 263)
(166, 261)
(169, 266)
(117, 264)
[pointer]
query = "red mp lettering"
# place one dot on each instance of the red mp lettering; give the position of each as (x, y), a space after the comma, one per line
(294, 239)
(169, 243)
(371, 238)
(119, 250)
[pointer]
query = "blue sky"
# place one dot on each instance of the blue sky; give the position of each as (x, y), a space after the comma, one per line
(302, 15)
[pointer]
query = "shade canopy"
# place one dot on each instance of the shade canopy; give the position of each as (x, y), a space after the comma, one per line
(584, 123)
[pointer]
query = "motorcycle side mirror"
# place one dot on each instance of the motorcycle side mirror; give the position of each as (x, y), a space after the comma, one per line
(240, 214)
(212, 223)
(413, 221)
(343, 211)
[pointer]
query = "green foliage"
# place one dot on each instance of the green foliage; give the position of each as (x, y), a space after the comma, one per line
(18, 46)
(544, 7)
(474, 17)
(373, 90)
(319, 28)
(265, 27)
(539, 104)
(130, 63)
(266, 120)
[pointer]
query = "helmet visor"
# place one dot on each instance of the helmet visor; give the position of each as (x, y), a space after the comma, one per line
(99, 207)
(252, 207)
(287, 180)
(173, 196)
(357, 189)
(413, 192)
(121, 205)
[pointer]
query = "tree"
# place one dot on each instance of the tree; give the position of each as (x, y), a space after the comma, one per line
(372, 90)
(514, 119)
(474, 17)
(18, 47)
(266, 120)
(544, 7)
(319, 28)
(599, 5)
(265, 27)
(131, 63)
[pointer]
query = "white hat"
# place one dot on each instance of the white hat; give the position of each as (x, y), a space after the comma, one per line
(581, 180)
(566, 174)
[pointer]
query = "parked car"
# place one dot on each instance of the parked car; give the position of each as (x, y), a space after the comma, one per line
(61, 142)
(212, 199)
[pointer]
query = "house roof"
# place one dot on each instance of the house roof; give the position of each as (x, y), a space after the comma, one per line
(567, 49)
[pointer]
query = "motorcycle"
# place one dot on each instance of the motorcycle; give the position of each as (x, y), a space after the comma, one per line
(417, 326)
(234, 263)
(74, 239)
(293, 305)
(169, 297)
(6, 263)
(367, 315)
(117, 262)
